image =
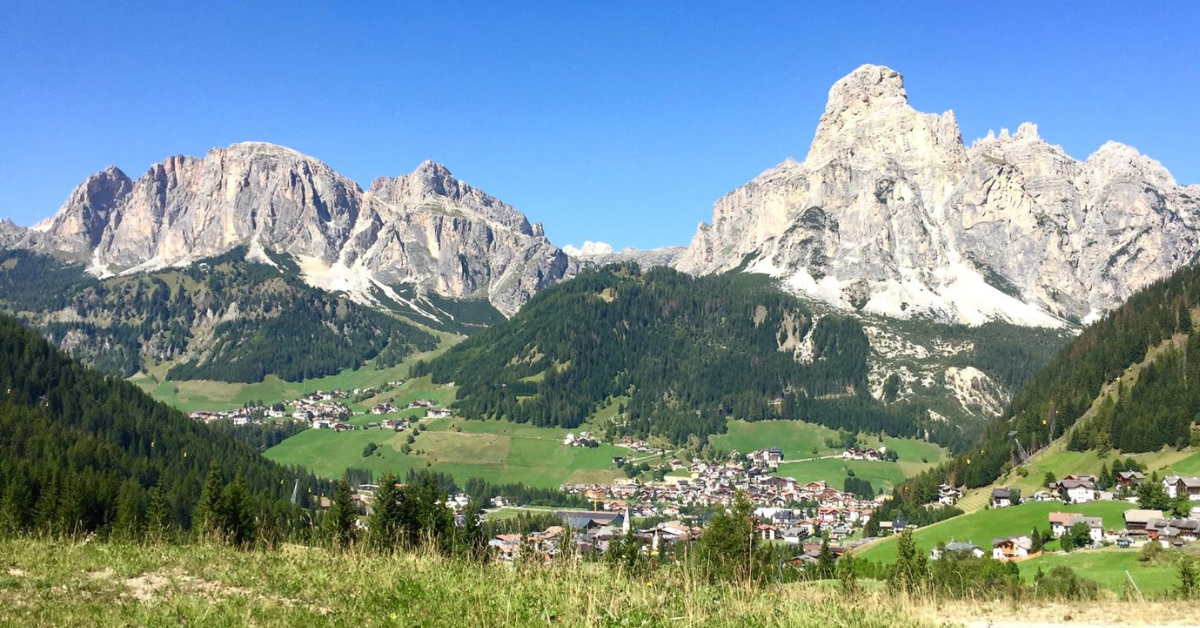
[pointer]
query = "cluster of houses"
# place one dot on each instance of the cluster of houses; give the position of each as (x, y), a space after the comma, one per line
(584, 439)
(1141, 525)
(854, 453)
(641, 446)
(788, 510)
(321, 410)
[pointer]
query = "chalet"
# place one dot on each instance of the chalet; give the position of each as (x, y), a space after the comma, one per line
(1136, 520)
(1001, 497)
(1129, 479)
(1176, 485)
(1077, 489)
(1166, 530)
(1012, 548)
(948, 495)
(590, 520)
(1060, 522)
(956, 547)
(437, 413)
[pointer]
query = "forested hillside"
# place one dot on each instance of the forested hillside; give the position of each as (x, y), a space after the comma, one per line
(683, 354)
(1156, 410)
(226, 318)
(82, 451)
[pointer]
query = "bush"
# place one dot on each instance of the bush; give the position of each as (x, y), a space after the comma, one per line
(1062, 583)
(1150, 552)
(369, 449)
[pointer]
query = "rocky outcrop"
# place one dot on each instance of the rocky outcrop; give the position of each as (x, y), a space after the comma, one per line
(425, 228)
(890, 213)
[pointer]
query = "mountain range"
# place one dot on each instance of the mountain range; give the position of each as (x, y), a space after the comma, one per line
(942, 250)
(425, 229)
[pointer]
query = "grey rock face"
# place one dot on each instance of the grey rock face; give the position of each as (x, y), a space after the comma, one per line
(425, 228)
(891, 214)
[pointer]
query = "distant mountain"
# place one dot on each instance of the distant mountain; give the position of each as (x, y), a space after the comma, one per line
(674, 356)
(891, 214)
(224, 318)
(600, 254)
(425, 229)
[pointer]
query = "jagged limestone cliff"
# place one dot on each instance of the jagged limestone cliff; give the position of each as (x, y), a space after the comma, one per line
(425, 228)
(891, 214)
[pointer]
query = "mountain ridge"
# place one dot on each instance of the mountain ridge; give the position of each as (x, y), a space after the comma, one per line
(425, 228)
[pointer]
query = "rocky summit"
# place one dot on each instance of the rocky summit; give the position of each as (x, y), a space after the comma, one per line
(425, 228)
(891, 214)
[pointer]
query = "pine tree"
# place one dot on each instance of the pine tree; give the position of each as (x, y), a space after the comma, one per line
(46, 509)
(208, 517)
(237, 514)
(825, 560)
(1106, 478)
(158, 514)
(71, 507)
(384, 523)
(339, 521)
(16, 509)
(128, 524)
(847, 575)
(1188, 578)
(908, 571)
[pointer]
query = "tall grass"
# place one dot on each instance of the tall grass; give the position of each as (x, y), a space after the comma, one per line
(116, 584)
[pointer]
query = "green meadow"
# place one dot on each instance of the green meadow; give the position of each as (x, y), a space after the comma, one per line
(982, 526)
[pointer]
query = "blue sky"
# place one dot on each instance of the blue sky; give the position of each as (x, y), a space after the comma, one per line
(620, 122)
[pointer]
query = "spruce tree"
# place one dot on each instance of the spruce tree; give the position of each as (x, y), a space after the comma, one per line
(847, 575)
(238, 516)
(46, 509)
(339, 521)
(384, 523)
(129, 521)
(208, 517)
(16, 509)
(71, 507)
(825, 560)
(158, 514)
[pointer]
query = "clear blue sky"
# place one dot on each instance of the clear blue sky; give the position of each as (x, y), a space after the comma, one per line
(620, 122)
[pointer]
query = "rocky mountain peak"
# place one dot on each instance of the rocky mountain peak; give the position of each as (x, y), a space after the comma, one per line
(889, 214)
(432, 183)
(868, 116)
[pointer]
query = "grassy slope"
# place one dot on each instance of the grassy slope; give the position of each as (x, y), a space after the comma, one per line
(983, 526)
(102, 584)
(1107, 566)
(497, 451)
(194, 395)
(798, 440)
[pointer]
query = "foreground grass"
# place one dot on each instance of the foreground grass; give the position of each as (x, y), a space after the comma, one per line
(107, 584)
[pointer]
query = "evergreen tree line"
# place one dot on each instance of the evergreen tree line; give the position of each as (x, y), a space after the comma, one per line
(689, 352)
(405, 517)
(88, 453)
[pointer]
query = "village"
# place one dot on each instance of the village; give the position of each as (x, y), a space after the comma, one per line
(327, 410)
(786, 511)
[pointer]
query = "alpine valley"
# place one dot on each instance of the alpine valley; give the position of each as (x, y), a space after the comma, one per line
(896, 275)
